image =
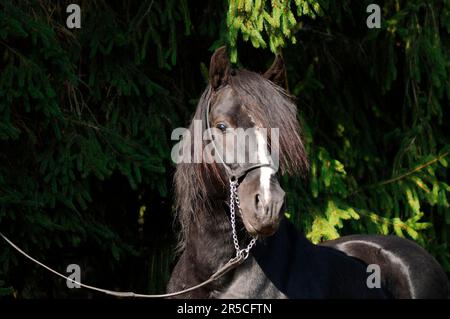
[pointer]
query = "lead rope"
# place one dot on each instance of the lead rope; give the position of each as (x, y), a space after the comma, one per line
(241, 256)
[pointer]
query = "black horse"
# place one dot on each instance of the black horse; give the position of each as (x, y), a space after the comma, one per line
(283, 263)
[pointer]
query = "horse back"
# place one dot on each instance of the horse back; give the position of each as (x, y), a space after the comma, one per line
(407, 270)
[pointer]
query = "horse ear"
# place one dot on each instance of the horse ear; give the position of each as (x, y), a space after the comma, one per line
(219, 68)
(276, 73)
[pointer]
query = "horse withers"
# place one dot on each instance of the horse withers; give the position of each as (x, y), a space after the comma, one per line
(283, 263)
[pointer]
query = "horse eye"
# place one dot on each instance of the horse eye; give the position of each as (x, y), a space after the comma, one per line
(222, 127)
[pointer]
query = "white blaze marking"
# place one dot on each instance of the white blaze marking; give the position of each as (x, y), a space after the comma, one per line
(264, 180)
(265, 172)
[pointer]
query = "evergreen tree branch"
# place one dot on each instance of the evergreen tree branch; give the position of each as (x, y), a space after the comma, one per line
(402, 176)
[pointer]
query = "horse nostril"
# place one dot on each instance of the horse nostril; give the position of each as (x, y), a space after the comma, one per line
(257, 200)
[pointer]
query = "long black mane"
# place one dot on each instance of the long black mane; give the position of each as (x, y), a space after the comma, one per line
(270, 107)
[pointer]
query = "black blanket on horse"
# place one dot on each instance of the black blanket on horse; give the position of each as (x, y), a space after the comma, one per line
(300, 269)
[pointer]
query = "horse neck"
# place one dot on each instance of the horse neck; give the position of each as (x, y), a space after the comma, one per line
(209, 242)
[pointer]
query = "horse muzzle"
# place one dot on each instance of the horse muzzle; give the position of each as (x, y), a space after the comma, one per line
(261, 204)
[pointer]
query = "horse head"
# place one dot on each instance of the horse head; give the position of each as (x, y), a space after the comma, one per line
(253, 126)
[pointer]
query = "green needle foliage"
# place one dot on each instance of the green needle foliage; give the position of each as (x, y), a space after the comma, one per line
(273, 19)
(86, 117)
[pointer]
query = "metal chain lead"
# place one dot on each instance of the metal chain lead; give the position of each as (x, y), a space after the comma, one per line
(234, 199)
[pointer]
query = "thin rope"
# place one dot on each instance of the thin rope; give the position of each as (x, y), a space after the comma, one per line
(232, 263)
